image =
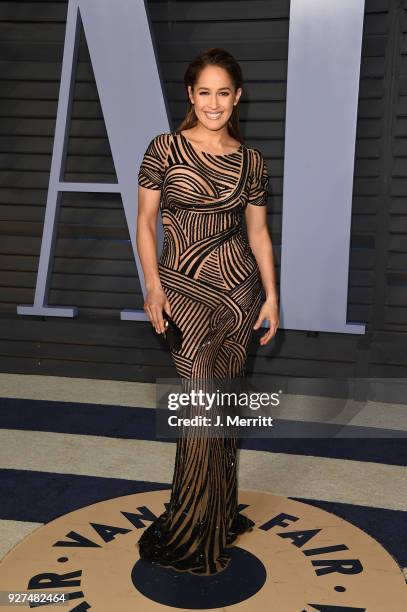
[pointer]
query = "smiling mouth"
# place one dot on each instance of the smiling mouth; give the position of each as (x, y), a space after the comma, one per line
(213, 116)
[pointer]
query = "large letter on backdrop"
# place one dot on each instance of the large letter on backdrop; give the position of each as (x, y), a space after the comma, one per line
(322, 98)
(122, 53)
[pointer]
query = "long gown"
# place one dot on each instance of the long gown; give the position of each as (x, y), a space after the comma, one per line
(212, 281)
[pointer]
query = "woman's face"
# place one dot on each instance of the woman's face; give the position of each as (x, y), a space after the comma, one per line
(214, 97)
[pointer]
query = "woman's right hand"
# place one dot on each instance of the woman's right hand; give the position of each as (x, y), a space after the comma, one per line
(156, 301)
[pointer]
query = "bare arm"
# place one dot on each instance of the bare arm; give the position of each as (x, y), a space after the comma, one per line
(146, 241)
(262, 248)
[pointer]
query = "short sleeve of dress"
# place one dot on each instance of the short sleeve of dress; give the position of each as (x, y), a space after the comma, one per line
(153, 165)
(259, 181)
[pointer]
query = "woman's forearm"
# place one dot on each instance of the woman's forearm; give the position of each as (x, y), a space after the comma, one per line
(262, 249)
(146, 240)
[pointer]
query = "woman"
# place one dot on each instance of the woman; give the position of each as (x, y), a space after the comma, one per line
(209, 280)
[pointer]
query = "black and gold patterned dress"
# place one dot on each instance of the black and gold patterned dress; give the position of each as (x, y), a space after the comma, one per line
(212, 281)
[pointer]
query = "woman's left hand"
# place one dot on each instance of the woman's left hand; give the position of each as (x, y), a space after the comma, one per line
(270, 312)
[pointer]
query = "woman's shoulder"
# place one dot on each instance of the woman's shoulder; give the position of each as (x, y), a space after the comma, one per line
(162, 139)
(256, 159)
(254, 153)
(159, 145)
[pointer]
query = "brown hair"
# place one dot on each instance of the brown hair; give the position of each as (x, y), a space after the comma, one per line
(214, 56)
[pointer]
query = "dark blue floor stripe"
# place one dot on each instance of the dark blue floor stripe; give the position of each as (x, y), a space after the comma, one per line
(40, 497)
(43, 496)
(139, 424)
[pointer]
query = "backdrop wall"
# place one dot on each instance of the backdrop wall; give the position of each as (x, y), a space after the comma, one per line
(92, 233)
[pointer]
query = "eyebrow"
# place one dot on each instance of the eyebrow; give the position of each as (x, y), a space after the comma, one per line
(220, 88)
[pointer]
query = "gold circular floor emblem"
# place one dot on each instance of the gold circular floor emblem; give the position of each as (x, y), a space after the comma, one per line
(299, 558)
